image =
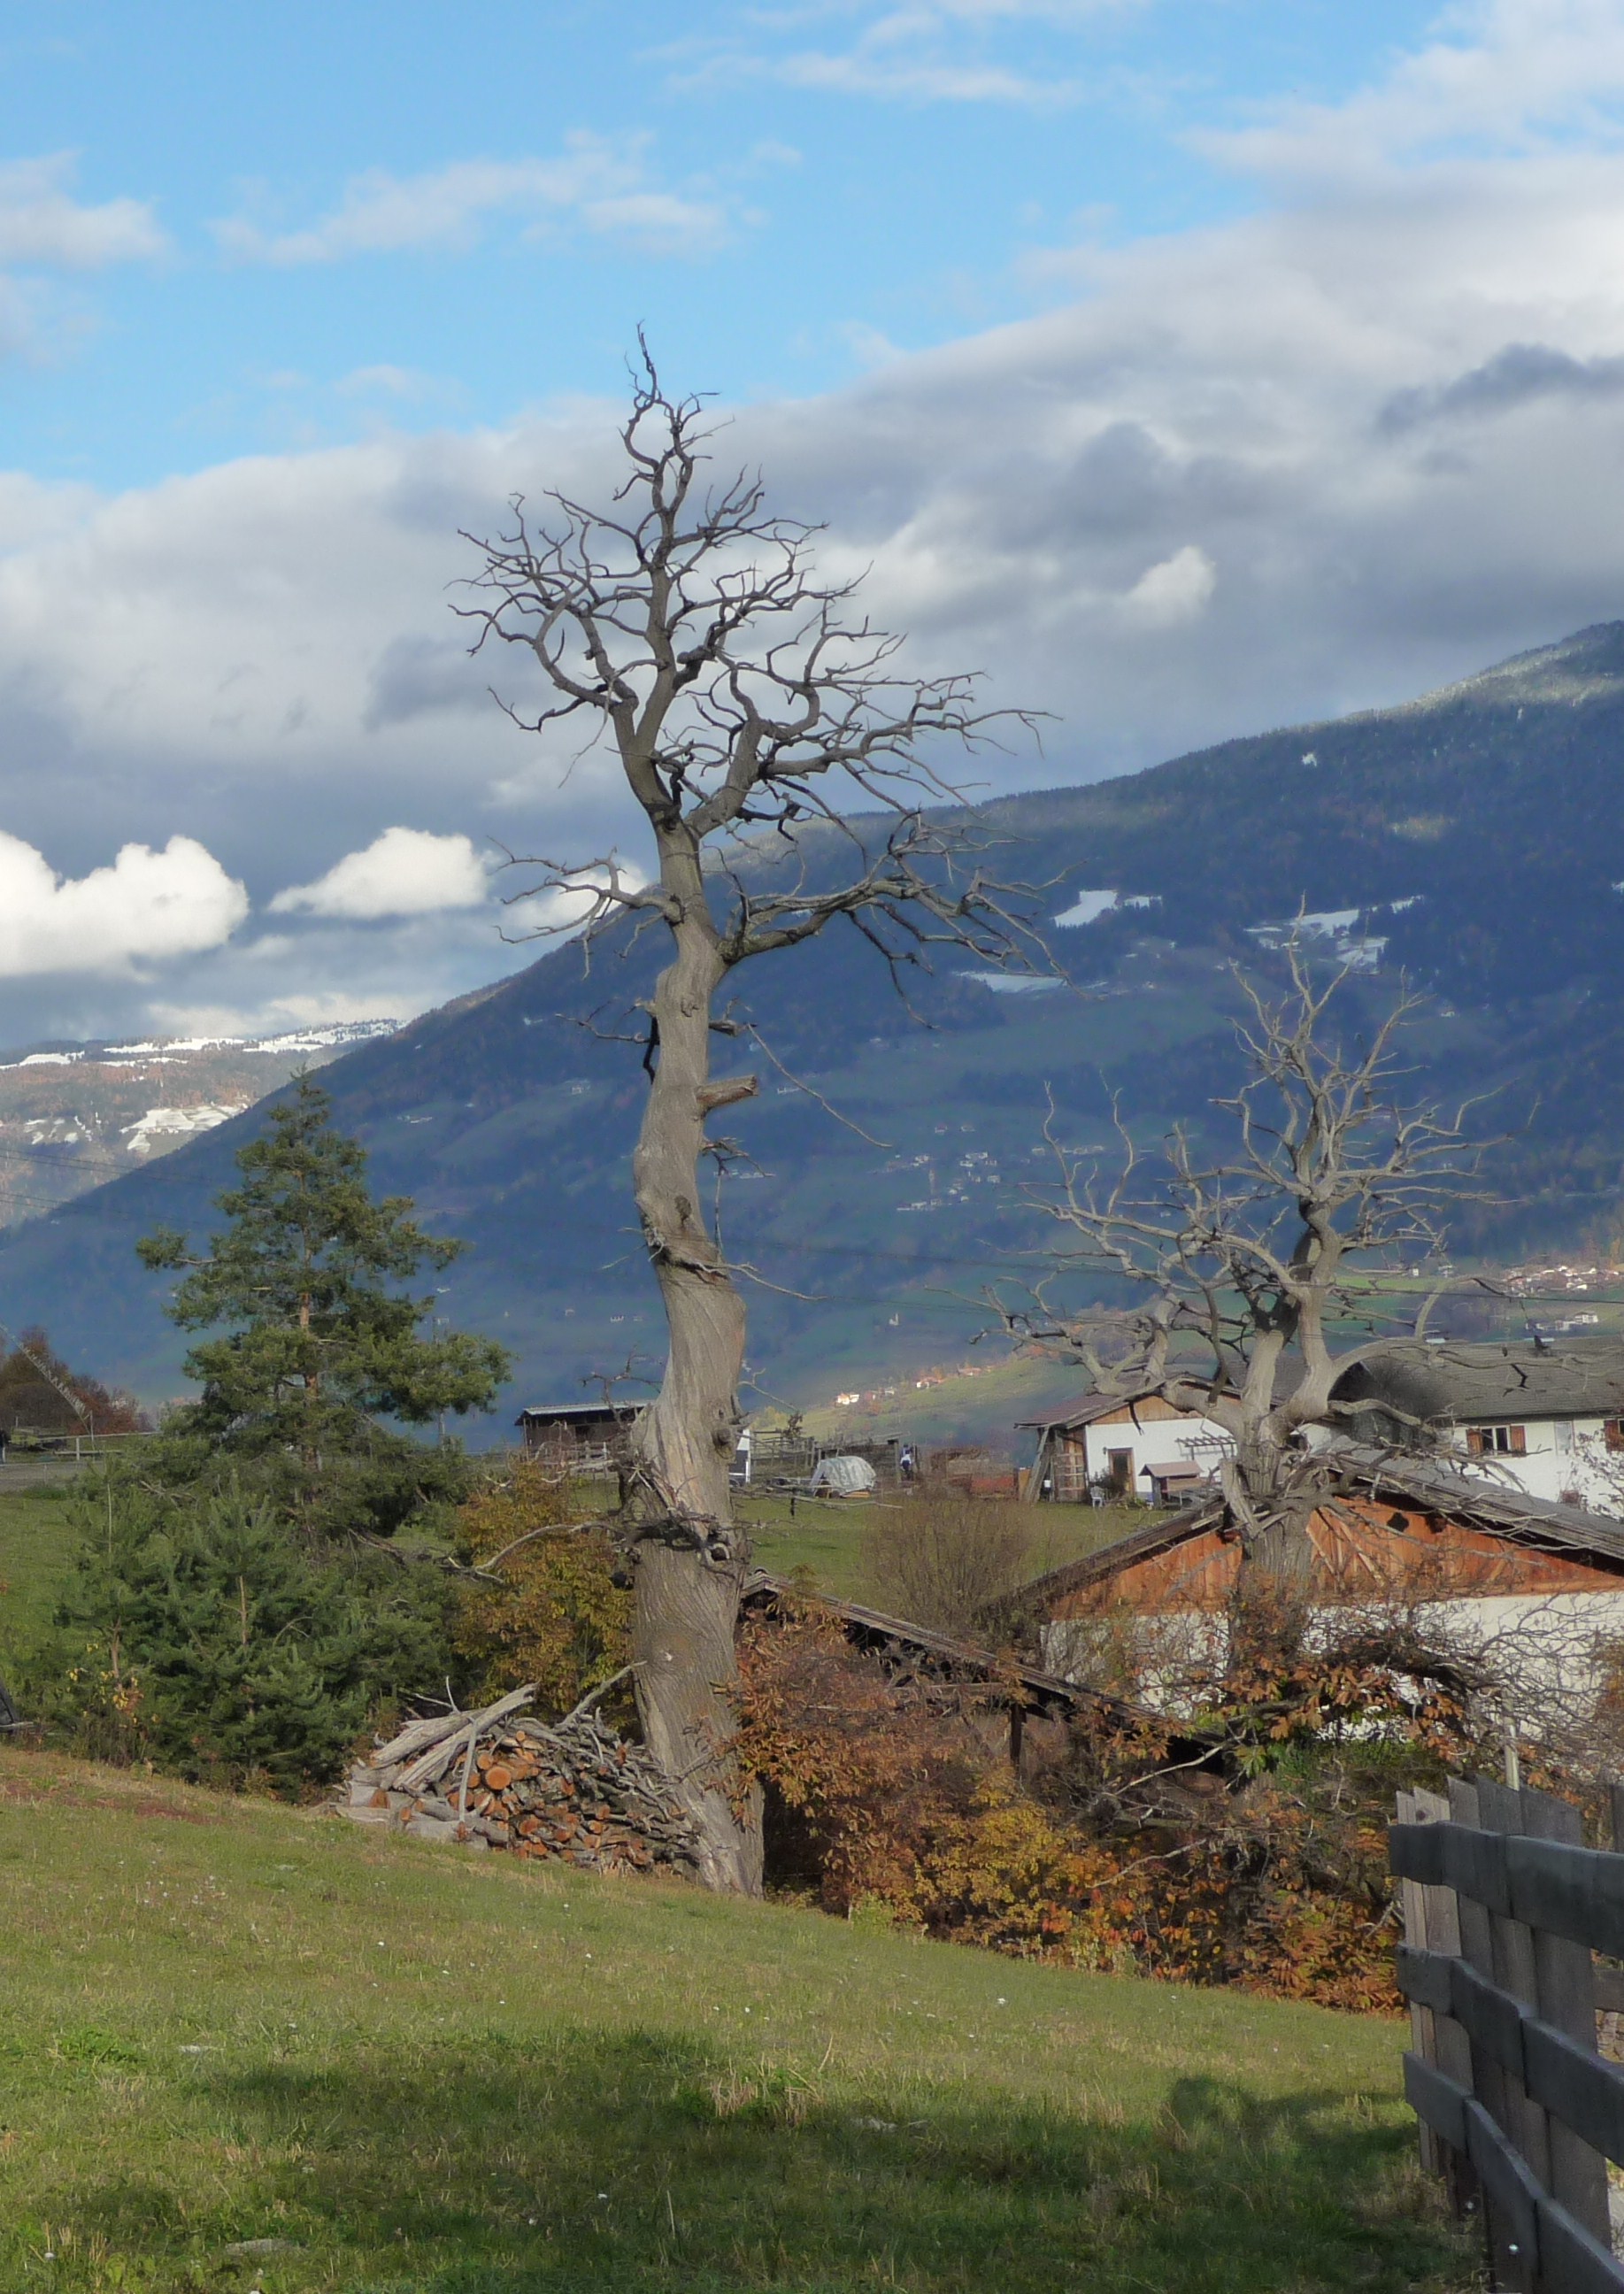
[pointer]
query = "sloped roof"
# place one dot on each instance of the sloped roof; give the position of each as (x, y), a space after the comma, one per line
(1093, 1405)
(1477, 1501)
(874, 1629)
(1465, 1383)
(1088, 1408)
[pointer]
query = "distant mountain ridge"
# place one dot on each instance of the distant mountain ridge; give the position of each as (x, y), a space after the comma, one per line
(73, 1116)
(1476, 833)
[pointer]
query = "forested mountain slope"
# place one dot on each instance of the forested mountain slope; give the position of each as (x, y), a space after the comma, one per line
(1478, 833)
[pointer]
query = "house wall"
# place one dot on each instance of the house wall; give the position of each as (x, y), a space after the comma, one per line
(1553, 1651)
(1565, 1458)
(1152, 1431)
(1363, 1548)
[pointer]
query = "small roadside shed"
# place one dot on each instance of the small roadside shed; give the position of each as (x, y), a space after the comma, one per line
(1027, 1692)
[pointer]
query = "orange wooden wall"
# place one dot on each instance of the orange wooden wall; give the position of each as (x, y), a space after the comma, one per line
(1362, 1547)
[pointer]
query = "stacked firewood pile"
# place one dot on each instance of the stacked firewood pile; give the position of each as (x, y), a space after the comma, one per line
(573, 1790)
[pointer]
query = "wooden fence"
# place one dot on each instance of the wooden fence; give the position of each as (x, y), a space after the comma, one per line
(1503, 1909)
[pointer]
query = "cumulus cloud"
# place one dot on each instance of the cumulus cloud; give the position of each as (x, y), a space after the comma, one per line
(146, 906)
(405, 872)
(1322, 457)
(1176, 590)
(41, 222)
(599, 183)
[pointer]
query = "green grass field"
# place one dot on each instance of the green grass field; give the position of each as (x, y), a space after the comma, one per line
(252, 2047)
(36, 1550)
(828, 1536)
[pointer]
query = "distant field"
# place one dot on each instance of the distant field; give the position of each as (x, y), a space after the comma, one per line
(249, 2047)
(829, 1536)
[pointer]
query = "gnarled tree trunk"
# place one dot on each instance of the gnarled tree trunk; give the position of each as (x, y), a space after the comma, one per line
(689, 1557)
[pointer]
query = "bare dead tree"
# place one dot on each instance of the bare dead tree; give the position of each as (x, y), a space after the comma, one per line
(1252, 1267)
(751, 710)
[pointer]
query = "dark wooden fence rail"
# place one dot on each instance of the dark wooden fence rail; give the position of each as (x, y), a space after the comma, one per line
(1503, 1907)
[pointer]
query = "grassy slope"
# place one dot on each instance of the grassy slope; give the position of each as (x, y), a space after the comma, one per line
(34, 1552)
(433, 2074)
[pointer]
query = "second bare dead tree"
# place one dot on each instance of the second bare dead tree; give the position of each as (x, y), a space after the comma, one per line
(1256, 1269)
(750, 709)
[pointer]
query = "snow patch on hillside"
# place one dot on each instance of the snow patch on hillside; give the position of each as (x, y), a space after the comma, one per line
(167, 1123)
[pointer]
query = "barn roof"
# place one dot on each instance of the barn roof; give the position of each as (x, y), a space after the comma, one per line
(578, 1413)
(873, 1629)
(1476, 1502)
(1093, 1405)
(1459, 1382)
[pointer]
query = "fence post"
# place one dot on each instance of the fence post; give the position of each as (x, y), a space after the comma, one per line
(1499, 1808)
(1499, 2093)
(1564, 1993)
(1432, 1921)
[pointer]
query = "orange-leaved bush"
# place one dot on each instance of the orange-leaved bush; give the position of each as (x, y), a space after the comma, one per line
(891, 1790)
(554, 1614)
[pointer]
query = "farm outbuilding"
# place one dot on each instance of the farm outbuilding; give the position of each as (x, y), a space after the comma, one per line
(1105, 1446)
(578, 1437)
(1478, 1556)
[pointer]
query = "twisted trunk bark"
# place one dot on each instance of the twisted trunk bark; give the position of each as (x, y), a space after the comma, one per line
(689, 1557)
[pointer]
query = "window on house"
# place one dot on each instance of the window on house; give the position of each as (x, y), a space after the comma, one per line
(1497, 1441)
(1613, 1433)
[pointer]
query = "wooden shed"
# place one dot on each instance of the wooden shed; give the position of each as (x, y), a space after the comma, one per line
(578, 1437)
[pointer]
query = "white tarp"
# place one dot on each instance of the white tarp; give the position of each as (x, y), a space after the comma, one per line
(844, 1477)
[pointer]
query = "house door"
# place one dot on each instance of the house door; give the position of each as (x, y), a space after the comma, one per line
(1119, 1472)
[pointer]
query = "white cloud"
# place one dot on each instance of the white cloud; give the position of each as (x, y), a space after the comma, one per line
(1177, 590)
(405, 872)
(920, 51)
(41, 222)
(600, 182)
(146, 906)
(1358, 442)
(1497, 74)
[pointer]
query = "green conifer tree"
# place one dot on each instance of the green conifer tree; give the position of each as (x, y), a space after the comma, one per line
(322, 1359)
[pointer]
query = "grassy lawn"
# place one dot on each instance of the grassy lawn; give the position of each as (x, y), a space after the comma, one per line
(824, 1535)
(35, 1551)
(827, 1536)
(391, 2069)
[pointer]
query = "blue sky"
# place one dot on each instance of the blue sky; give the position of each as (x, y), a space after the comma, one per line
(783, 195)
(1186, 366)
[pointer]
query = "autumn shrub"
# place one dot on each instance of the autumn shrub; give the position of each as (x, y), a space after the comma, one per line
(554, 1613)
(944, 1561)
(891, 1791)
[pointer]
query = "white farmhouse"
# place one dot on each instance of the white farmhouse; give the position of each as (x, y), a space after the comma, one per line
(1103, 1446)
(1546, 1416)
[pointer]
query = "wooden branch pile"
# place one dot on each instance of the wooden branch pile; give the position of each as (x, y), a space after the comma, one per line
(573, 1790)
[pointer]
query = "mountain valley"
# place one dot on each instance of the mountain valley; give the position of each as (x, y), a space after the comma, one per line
(1472, 842)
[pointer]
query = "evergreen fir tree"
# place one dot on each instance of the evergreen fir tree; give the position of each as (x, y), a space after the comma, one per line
(322, 1358)
(199, 1632)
